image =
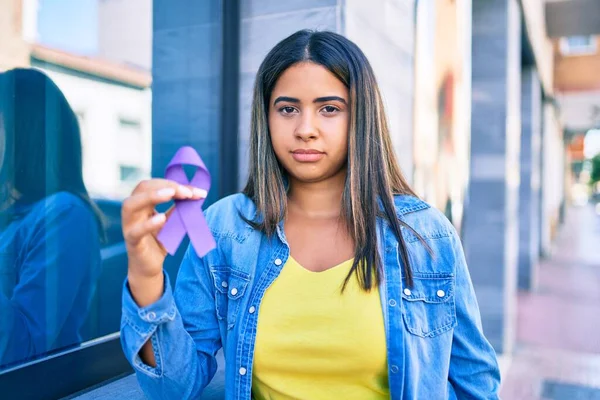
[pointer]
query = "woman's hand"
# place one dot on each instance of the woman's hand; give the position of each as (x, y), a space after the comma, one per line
(141, 224)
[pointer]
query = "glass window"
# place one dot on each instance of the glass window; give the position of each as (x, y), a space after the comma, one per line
(75, 139)
(578, 45)
(78, 86)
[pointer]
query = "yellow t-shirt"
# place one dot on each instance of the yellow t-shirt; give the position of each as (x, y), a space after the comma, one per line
(313, 342)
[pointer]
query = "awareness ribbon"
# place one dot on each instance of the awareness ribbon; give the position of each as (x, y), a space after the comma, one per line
(187, 215)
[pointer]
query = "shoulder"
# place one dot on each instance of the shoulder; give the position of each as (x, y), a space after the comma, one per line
(427, 221)
(224, 217)
(64, 214)
(63, 201)
(237, 201)
(432, 240)
(59, 205)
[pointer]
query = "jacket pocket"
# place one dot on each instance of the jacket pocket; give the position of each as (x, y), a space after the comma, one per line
(230, 286)
(428, 307)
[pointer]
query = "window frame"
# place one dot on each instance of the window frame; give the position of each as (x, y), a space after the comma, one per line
(99, 361)
(68, 372)
(567, 49)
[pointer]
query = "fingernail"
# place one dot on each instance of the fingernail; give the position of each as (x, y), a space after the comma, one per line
(158, 219)
(166, 192)
(184, 191)
(199, 192)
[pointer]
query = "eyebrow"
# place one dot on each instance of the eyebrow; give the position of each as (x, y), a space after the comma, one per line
(317, 100)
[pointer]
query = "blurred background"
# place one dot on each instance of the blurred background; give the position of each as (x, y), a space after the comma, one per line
(494, 108)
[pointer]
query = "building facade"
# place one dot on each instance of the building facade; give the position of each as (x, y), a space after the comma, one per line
(475, 92)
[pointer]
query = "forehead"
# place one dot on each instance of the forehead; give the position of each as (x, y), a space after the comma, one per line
(307, 79)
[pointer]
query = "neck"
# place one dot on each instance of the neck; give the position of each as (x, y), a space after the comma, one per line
(317, 199)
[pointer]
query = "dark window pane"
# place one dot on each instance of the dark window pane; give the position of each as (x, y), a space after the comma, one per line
(75, 139)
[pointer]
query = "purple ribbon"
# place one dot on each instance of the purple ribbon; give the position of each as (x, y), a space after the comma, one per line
(187, 215)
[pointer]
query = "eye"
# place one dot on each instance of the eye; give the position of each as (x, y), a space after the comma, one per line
(330, 109)
(287, 110)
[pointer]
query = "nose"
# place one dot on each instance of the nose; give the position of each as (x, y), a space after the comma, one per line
(306, 129)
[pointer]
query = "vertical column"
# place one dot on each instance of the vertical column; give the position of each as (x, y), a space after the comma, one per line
(529, 193)
(491, 216)
(548, 178)
(385, 31)
(186, 87)
(187, 76)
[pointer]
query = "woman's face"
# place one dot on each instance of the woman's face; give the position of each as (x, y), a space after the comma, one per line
(309, 115)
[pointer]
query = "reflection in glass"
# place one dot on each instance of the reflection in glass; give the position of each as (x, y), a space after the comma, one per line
(50, 230)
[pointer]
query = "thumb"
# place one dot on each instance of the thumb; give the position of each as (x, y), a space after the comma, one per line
(170, 211)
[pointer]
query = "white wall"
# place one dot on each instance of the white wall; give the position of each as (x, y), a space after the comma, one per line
(125, 31)
(552, 175)
(384, 30)
(426, 116)
(29, 20)
(534, 16)
(14, 51)
(102, 105)
(580, 111)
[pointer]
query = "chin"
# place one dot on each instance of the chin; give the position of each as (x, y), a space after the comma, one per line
(311, 173)
(309, 178)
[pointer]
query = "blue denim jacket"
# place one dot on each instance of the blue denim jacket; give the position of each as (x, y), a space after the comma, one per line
(49, 266)
(436, 347)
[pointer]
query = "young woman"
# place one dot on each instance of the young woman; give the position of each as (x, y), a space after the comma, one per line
(50, 230)
(330, 280)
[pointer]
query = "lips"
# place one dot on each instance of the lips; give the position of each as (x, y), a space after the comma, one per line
(307, 155)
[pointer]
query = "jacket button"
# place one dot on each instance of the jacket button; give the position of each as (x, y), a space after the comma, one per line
(224, 284)
(278, 261)
(234, 291)
(242, 371)
(392, 302)
(151, 316)
(251, 310)
(394, 369)
(441, 293)
(407, 292)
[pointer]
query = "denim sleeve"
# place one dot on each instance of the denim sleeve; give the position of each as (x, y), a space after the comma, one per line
(183, 330)
(61, 257)
(474, 372)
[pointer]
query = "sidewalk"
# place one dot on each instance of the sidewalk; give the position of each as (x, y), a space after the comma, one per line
(557, 356)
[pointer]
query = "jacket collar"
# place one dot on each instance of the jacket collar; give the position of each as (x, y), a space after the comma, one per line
(406, 204)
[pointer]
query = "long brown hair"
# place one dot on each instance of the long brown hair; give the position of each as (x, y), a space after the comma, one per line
(373, 176)
(42, 152)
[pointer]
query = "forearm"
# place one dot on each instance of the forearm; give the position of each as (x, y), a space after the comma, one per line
(162, 352)
(146, 291)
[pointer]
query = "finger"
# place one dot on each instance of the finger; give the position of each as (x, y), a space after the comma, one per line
(143, 204)
(170, 211)
(182, 191)
(197, 193)
(146, 201)
(148, 185)
(147, 227)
